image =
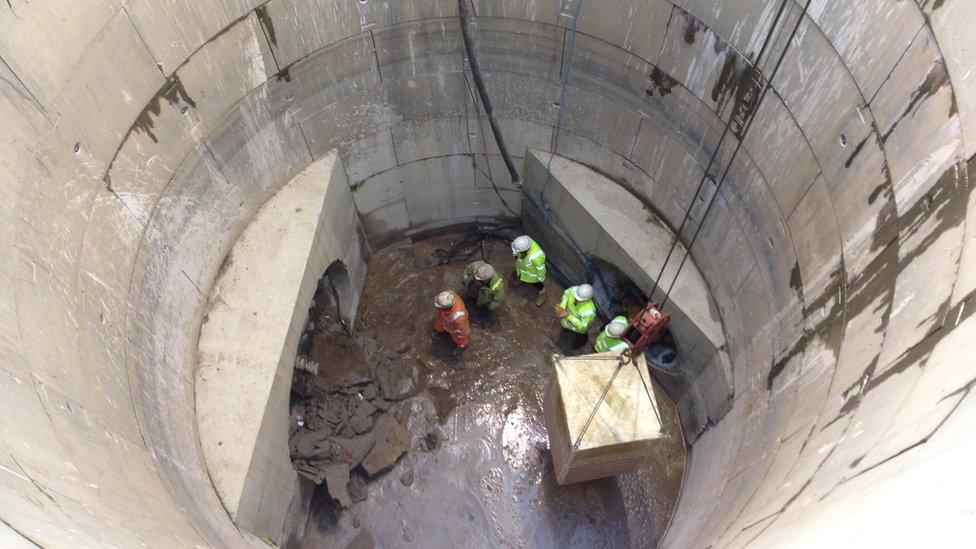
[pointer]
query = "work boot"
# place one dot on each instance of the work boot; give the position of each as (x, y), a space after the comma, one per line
(540, 298)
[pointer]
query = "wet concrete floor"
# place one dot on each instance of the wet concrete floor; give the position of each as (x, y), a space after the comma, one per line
(478, 472)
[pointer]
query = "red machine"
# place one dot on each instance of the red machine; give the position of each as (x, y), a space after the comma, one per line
(646, 328)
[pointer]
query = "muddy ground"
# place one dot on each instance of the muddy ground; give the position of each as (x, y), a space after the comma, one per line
(477, 471)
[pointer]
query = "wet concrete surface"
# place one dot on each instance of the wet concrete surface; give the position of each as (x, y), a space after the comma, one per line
(478, 471)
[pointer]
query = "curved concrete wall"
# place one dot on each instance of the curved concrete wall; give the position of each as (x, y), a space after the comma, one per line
(140, 137)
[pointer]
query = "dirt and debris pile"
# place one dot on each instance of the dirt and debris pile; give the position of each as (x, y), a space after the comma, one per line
(349, 412)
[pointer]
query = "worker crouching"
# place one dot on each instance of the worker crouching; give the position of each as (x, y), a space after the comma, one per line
(530, 265)
(452, 318)
(577, 312)
(483, 282)
(611, 337)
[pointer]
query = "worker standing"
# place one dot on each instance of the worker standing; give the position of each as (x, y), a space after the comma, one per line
(452, 318)
(481, 279)
(530, 265)
(577, 311)
(611, 337)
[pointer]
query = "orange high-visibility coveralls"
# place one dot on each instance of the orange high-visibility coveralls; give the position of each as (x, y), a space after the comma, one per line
(455, 322)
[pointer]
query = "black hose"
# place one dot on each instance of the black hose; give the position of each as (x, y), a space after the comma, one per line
(475, 236)
(484, 143)
(479, 84)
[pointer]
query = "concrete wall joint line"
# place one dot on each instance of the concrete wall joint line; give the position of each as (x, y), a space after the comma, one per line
(938, 45)
(887, 77)
(301, 130)
(142, 38)
(376, 55)
(32, 97)
(84, 53)
(261, 14)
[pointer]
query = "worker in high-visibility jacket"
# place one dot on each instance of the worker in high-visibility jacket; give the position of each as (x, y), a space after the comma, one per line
(452, 318)
(482, 281)
(611, 337)
(577, 311)
(530, 265)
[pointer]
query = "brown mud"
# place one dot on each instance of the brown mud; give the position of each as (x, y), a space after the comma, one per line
(477, 472)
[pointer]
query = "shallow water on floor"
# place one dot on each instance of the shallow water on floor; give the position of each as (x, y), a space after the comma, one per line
(480, 467)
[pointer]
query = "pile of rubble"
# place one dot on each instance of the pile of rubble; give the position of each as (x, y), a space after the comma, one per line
(350, 417)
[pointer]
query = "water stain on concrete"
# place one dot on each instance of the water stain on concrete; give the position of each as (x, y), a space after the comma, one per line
(284, 75)
(857, 150)
(663, 82)
(930, 6)
(831, 307)
(692, 27)
(936, 79)
(267, 24)
(173, 93)
(738, 85)
(796, 280)
(946, 204)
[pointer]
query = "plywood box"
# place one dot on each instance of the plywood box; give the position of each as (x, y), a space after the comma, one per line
(620, 435)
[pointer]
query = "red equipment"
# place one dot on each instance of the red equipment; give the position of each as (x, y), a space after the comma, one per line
(645, 328)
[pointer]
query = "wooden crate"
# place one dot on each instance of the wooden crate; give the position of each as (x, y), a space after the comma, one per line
(620, 436)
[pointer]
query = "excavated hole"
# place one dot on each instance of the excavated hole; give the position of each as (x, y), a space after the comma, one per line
(477, 471)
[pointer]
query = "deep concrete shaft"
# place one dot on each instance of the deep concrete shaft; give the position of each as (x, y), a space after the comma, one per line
(139, 138)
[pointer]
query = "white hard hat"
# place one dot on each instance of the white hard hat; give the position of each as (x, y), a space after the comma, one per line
(617, 327)
(521, 244)
(445, 300)
(484, 273)
(583, 292)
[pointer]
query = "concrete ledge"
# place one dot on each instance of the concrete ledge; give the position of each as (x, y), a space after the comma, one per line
(256, 312)
(609, 223)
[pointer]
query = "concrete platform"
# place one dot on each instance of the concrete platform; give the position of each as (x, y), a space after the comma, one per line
(248, 343)
(609, 222)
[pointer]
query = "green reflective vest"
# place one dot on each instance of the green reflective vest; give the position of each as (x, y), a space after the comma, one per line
(490, 295)
(605, 343)
(493, 295)
(581, 314)
(531, 268)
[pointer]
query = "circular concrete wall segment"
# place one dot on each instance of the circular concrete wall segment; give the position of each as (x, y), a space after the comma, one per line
(256, 312)
(140, 138)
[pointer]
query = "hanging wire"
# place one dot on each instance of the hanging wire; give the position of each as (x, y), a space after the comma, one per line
(705, 176)
(647, 391)
(749, 119)
(566, 77)
(748, 124)
(620, 366)
(624, 359)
